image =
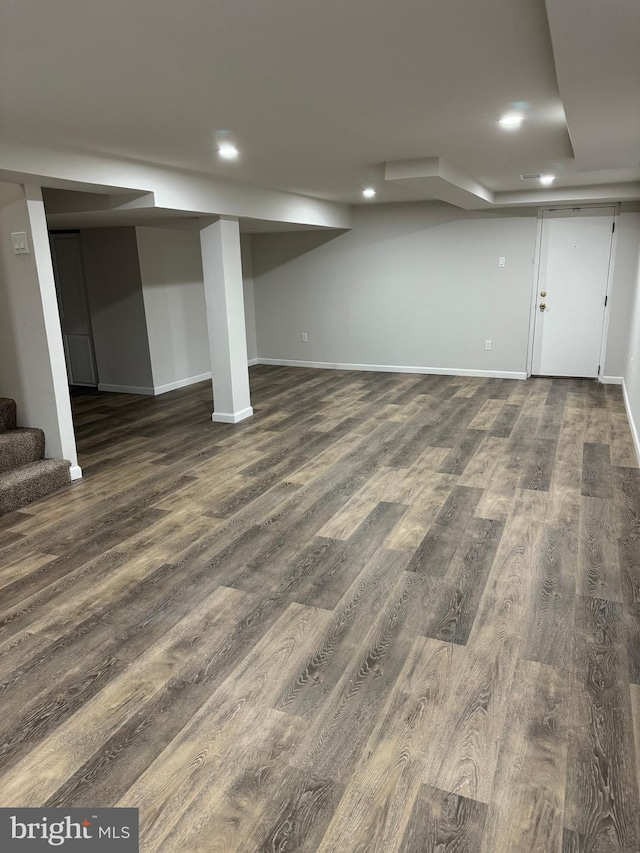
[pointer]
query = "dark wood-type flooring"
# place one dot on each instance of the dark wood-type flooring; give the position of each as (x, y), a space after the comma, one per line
(389, 612)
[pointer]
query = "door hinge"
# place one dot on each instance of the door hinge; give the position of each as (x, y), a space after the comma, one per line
(598, 370)
(614, 228)
(606, 299)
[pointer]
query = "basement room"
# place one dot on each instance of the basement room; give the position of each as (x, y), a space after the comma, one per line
(319, 412)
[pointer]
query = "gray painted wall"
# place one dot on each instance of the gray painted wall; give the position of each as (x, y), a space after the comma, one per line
(623, 291)
(632, 356)
(418, 285)
(173, 292)
(413, 285)
(114, 290)
(249, 295)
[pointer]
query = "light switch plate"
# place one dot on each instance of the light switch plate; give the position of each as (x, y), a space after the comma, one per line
(20, 243)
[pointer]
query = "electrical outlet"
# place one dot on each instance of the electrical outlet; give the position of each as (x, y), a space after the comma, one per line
(487, 345)
(303, 337)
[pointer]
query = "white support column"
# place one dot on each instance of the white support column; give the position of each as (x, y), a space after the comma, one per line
(222, 268)
(60, 440)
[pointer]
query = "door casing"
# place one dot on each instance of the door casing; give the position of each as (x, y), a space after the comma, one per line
(536, 278)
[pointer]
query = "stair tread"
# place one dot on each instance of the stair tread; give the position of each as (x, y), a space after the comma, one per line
(25, 476)
(31, 482)
(32, 469)
(7, 414)
(20, 446)
(7, 434)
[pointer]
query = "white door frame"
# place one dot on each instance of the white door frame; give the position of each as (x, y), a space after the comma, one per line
(536, 277)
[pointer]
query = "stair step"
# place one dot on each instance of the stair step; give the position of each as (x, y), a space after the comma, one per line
(19, 447)
(22, 486)
(7, 413)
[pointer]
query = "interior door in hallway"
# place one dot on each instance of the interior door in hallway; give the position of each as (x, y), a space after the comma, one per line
(75, 320)
(575, 254)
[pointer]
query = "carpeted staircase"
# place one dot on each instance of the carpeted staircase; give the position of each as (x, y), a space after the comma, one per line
(25, 475)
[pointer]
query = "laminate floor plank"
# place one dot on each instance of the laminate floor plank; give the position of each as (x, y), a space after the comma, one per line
(343, 723)
(389, 612)
(602, 781)
(598, 559)
(596, 471)
(539, 470)
(64, 751)
(485, 418)
(454, 608)
(333, 574)
(505, 421)
(441, 822)
(179, 777)
(133, 747)
(458, 459)
(352, 618)
(436, 550)
(480, 468)
(567, 467)
(552, 599)
(629, 552)
(527, 800)
(377, 803)
(620, 442)
(468, 734)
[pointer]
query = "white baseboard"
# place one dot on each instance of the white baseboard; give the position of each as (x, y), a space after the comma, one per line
(231, 417)
(632, 423)
(181, 383)
(148, 391)
(611, 380)
(396, 368)
(76, 472)
(163, 389)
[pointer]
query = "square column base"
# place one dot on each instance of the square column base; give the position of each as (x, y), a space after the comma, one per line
(231, 417)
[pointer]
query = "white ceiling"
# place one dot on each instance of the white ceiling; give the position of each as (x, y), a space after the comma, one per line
(320, 95)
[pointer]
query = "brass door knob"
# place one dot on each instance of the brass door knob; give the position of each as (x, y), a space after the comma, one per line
(543, 293)
(543, 305)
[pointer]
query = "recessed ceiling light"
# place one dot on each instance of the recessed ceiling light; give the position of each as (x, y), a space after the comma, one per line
(228, 152)
(511, 121)
(545, 180)
(369, 192)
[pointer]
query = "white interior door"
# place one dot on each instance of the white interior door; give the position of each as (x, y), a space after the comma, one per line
(75, 319)
(575, 254)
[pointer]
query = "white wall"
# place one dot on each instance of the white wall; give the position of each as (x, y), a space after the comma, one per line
(249, 296)
(632, 362)
(114, 290)
(623, 290)
(412, 285)
(173, 292)
(32, 366)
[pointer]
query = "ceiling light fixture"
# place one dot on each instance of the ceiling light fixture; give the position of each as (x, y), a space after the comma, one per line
(545, 180)
(511, 121)
(369, 192)
(228, 152)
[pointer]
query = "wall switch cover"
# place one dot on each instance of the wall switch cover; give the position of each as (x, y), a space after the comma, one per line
(502, 261)
(20, 244)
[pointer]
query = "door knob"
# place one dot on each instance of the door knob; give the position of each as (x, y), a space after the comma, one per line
(543, 293)
(543, 305)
